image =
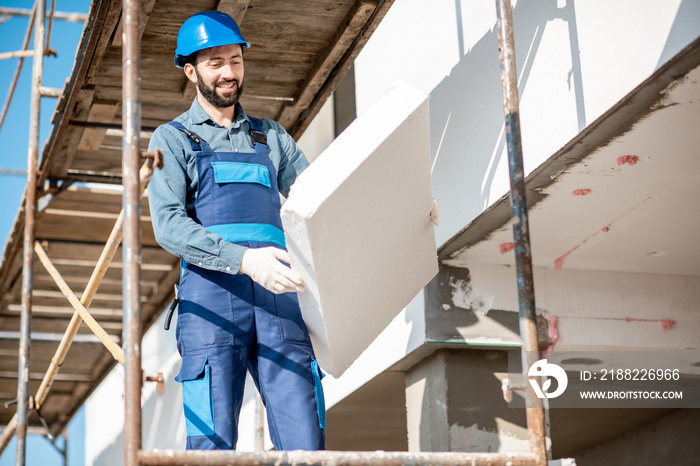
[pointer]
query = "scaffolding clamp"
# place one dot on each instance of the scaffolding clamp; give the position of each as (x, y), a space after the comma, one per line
(32, 405)
(156, 155)
(158, 379)
(507, 387)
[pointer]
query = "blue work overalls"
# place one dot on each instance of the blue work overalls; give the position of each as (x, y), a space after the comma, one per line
(227, 323)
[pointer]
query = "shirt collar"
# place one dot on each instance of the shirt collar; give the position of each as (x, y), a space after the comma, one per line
(199, 116)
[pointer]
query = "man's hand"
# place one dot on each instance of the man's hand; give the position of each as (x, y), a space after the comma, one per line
(264, 267)
(435, 214)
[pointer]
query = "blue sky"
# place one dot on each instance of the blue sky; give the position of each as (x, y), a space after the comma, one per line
(14, 139)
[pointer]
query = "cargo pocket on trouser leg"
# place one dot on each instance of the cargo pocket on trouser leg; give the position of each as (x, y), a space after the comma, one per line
(318, 393)
(195, 376)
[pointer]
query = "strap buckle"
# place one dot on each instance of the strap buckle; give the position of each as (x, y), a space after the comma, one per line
(258, 137)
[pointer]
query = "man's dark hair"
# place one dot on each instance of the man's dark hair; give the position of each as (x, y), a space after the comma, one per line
(192, 59)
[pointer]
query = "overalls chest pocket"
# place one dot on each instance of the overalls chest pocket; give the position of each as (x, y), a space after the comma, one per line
(240, 172)
(242, 192)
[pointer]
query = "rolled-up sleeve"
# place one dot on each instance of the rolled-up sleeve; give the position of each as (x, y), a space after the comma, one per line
(168, 200)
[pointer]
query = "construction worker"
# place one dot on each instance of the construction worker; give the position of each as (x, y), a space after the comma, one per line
(216, 205)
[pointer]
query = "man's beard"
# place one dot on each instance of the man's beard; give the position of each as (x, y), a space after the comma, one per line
(213, 97)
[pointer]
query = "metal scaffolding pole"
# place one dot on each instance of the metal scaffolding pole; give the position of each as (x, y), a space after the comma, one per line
(18, 69)
(336, 458)
(23, 406)
(131, 118)
(521, 232)
(65, 16)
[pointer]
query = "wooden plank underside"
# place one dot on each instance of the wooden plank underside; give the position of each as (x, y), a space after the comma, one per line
(54, 326)
(80, 363)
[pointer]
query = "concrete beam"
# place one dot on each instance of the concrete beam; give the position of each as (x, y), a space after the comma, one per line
(458, 311)
(454, 403)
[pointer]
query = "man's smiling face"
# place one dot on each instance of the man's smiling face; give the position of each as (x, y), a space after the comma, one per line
(218, 74)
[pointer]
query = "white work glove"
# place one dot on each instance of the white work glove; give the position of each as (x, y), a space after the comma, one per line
(264, 267)
(435, 214)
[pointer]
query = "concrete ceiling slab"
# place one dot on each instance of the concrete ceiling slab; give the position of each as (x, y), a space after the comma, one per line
(622, 196)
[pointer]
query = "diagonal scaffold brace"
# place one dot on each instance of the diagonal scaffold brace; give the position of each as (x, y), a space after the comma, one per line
(153, 160)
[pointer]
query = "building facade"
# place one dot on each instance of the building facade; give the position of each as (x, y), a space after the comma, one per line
(432, 380)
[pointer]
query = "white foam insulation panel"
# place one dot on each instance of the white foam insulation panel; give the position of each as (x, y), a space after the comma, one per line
(357, 227)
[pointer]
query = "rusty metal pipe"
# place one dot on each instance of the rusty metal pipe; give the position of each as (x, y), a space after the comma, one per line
(337, 458)
(52, 92)
(18, 69)
(29, 222)
(131, 118)
(17, 54)
(48, 33)
(521, 232)
(64, 16)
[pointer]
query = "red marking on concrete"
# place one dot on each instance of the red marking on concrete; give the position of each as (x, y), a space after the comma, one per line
(507, 247)
(559, 262)
(581, 192)
(667, 323)
(553, 329)
(627, 159)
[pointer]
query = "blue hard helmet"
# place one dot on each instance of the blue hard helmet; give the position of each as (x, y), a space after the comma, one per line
(204, 30)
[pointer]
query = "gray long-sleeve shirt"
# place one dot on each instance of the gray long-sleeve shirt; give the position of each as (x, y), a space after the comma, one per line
(172, 191)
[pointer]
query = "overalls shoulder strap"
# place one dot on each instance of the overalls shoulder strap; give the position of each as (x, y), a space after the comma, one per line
(257, 136)
(196, 142)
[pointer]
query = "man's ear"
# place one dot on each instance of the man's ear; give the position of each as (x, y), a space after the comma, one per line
(189, 72)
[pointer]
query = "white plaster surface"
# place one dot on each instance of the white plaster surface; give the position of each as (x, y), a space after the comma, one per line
(638, 217)
(163, 422)
(319, 134)
(575, 60)
(357, 227)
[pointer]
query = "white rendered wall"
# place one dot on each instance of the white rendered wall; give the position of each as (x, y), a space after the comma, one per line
(163, 424)
(575, 60)
(320, 133)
